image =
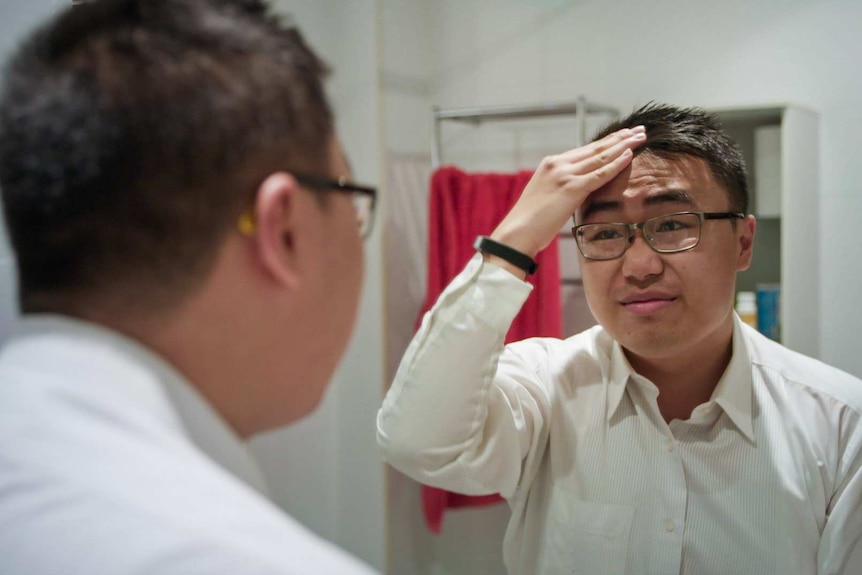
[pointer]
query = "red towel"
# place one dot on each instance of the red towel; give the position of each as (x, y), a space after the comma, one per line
(463, 206)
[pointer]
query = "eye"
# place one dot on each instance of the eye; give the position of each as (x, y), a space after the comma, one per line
(603, 233)
(672, 225)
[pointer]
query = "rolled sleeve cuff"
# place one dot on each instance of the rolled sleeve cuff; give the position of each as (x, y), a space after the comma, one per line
(497, 295)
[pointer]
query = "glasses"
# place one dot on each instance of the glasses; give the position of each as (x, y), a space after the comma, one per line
(364, 197)
(364, 201)
(665, 234)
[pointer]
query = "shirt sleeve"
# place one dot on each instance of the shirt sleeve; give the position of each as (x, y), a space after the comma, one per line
(843, 530)
(463, 412)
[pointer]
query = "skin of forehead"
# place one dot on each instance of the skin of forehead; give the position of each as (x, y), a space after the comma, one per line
(650, 175)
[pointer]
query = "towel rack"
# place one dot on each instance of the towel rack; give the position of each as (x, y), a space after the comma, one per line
(580, 108)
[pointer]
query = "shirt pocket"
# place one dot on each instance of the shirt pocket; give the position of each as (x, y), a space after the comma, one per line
(584, 537)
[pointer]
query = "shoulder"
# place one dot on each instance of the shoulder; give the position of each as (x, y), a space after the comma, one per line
(120, 497)
(811, 399)
(803, 373)
(100, 534)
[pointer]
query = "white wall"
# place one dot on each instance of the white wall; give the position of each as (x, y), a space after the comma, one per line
(458, 53)
(17, 17)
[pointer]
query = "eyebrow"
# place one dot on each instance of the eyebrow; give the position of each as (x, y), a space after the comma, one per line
(665, 197)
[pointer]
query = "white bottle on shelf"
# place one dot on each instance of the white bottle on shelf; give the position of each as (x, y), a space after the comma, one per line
(746, 307)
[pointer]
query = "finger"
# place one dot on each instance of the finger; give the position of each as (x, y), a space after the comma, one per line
(607, 172)
(578, 154)
(604, 157)
(601, 157)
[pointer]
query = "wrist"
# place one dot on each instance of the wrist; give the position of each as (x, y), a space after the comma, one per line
(520, 242)
(506, 257)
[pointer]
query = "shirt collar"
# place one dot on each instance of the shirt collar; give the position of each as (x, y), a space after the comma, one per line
(732, 393)
(734, 390)
(618, 377)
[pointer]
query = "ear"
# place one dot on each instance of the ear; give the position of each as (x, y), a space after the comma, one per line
(277, 214)
(745, 231)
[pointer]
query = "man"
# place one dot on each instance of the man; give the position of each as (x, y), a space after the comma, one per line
(189, 267)
(670, 438)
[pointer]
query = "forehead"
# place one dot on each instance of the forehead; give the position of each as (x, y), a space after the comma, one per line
(680, 183)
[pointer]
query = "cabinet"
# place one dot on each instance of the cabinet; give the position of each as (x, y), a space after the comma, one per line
(780, 146)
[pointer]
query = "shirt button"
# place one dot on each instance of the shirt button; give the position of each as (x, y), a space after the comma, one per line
(669, 445)
(669, 526)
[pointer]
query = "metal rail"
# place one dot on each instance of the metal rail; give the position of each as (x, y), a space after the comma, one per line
(580, 108)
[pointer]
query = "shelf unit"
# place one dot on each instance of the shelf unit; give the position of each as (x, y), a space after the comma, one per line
(787, 241)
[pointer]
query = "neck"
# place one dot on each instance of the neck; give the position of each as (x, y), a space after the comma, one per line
(688, 379)
(191, 343)
(208, 340)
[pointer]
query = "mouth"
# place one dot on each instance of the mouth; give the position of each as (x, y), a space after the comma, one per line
(646, 304)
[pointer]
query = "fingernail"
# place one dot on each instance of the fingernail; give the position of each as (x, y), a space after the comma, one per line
(638, 129)
(638, 136)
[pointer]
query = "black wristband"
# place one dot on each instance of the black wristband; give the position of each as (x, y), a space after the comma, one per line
(514, 257)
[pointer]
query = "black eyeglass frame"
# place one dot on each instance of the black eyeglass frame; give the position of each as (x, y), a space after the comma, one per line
(631, 228)
(343, 185)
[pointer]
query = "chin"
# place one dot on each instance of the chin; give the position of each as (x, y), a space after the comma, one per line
(655, 350)
(312, 396)
(652, 341)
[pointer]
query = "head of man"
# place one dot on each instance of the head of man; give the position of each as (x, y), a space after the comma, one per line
(673, 304)
(134, 135)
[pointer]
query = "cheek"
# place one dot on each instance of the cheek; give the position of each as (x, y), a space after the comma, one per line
(349, 272)
(597, 281)
(710, 281)
(353, 260)
(342, 234)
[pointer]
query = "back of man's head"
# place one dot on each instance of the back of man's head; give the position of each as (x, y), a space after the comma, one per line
(672, 131)
(133, 133)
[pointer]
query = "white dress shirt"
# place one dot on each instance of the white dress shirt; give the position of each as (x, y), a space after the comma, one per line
(765, 478)
(100, 473)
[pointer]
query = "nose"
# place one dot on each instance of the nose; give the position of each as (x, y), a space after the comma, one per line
(640, 261)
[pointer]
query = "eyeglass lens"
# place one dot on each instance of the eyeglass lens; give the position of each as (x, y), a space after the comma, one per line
(363, 204)
(668, 233)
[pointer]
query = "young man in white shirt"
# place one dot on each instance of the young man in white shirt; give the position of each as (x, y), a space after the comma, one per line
(670, 438)
(189, 249)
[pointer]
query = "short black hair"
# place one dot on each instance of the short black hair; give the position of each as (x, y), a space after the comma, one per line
(673, 131)
(133, 133)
